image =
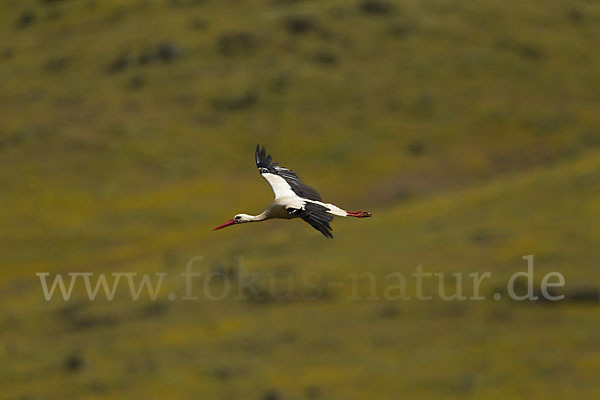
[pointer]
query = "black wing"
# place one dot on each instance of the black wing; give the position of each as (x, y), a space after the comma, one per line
(317, 216)
(264, 165)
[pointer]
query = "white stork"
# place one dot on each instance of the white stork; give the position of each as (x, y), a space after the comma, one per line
(293, 199)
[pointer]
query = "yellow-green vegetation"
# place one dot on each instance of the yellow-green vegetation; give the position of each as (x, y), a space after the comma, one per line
(470, 129)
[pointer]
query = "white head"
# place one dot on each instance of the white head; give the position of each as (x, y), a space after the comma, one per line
(241, 218)
(238, 219)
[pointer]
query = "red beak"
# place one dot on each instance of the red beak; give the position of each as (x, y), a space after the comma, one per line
(230, 222)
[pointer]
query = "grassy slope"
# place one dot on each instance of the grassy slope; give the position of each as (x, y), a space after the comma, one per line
(102, 175)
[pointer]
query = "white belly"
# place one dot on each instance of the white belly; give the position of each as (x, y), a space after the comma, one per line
(278, 208)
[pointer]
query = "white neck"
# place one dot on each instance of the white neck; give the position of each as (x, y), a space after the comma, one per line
(260, 217)
(255, 218)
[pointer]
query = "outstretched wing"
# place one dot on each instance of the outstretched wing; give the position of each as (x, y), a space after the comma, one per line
(283, 181)
(317, 216)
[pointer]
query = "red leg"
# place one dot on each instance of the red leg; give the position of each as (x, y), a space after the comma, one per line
(358, 214)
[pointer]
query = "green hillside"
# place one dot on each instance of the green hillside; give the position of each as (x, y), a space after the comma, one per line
(470, 130)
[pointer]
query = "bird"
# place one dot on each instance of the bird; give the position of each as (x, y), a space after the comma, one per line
(293, 199)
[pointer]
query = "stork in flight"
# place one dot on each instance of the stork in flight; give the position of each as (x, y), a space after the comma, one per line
(293, 199)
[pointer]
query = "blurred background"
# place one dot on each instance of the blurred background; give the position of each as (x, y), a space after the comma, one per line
(470, 129)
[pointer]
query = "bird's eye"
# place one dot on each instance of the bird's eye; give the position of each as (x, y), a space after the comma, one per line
(237, 217)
